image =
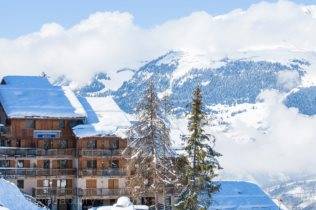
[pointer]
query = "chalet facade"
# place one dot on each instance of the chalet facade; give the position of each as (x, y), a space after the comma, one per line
(62, 149)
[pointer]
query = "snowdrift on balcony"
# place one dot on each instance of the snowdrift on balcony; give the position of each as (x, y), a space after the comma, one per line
(104, 118)
(34, 96)
(122, 203)
(12, 198)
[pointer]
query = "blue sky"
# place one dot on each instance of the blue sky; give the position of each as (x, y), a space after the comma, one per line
(21, 17)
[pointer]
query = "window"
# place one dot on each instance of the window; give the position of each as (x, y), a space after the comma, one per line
(20, 183)
(61, 183)
(5, 143)
(30, 124)
(46, 134)
(114, 164)
(92, 144)
(46, 183)
(47, 144)
(113, 183)
(168, 201)
(63, 144)
(62, 164)
(4, 163)
(92, 164)
(114, 144)
(46, 164)
(91, 183)
(61, 124)
(20, 163)
(18, 143)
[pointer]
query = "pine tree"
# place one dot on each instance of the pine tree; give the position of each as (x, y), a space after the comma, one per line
(149, 152)
(200, 165)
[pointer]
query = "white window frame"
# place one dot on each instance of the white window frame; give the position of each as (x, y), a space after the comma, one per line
(46, 134)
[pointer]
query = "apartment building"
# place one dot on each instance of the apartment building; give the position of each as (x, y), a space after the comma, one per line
(64, 150)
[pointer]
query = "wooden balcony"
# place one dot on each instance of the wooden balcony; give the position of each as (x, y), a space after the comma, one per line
(47, 192)
(100, 152)
(34, 152)
(92, 192)
(105, 172)
(33, 172)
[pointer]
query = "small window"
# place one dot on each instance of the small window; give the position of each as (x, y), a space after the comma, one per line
(18, 143)
(46, 183)
(62, 164)
(91, 183)
(4, 163)
(47, 144)
(92, 164)
(49, 134)
(114, 144)
(20, 163)
(168, 201)
(6, 142)
(114, 164)
(92, 144)
(61, 124)
(20, 183)
(63, 144)
(46, 164)
(61, 183)
(30, 124)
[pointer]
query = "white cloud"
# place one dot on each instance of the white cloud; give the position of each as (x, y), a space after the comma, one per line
(109, 41)
(288, 79)
(286, 148)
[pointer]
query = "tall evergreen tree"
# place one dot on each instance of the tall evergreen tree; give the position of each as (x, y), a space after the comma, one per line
(149, 151)
(199, 166)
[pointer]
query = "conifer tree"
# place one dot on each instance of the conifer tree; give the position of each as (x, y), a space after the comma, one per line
(200, 164)
(149, 152)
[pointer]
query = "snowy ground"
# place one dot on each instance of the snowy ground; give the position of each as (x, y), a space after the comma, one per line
(12, 198)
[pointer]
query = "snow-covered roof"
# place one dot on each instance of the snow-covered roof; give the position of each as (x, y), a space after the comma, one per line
(104, 118)
(241, 195)
(12, 198)
(35, 97)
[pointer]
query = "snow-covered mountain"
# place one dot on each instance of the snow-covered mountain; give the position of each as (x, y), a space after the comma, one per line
(250, 96)
(225, 80)
(102, 84)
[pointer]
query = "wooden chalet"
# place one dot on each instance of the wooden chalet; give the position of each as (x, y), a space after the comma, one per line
(63, 150)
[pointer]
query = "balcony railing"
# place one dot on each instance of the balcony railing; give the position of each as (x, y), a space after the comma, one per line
(101, 192)
(49, 192)
(33, 152)
(16, 172)
(46, 192)
(106, 172)
(100, 152)
(56, 152)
